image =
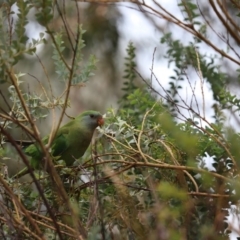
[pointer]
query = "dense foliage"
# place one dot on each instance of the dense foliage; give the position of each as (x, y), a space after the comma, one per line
(147, 173)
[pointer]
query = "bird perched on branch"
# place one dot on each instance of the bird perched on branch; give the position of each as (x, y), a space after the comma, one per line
(70, 142)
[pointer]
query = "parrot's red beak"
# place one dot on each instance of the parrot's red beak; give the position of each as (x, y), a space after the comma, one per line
(100, 121)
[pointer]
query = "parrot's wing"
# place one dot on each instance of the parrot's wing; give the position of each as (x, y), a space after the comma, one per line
(59, 145)
(34, 151)
(60, 142)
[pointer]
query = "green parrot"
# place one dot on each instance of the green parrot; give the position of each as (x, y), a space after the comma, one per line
(70, 142)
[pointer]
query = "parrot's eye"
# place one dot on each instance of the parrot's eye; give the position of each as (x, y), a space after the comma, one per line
(91, 116)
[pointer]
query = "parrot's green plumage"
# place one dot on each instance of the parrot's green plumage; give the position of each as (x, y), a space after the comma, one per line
(70, 143)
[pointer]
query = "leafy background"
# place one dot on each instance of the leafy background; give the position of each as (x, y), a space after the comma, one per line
(145, 175)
